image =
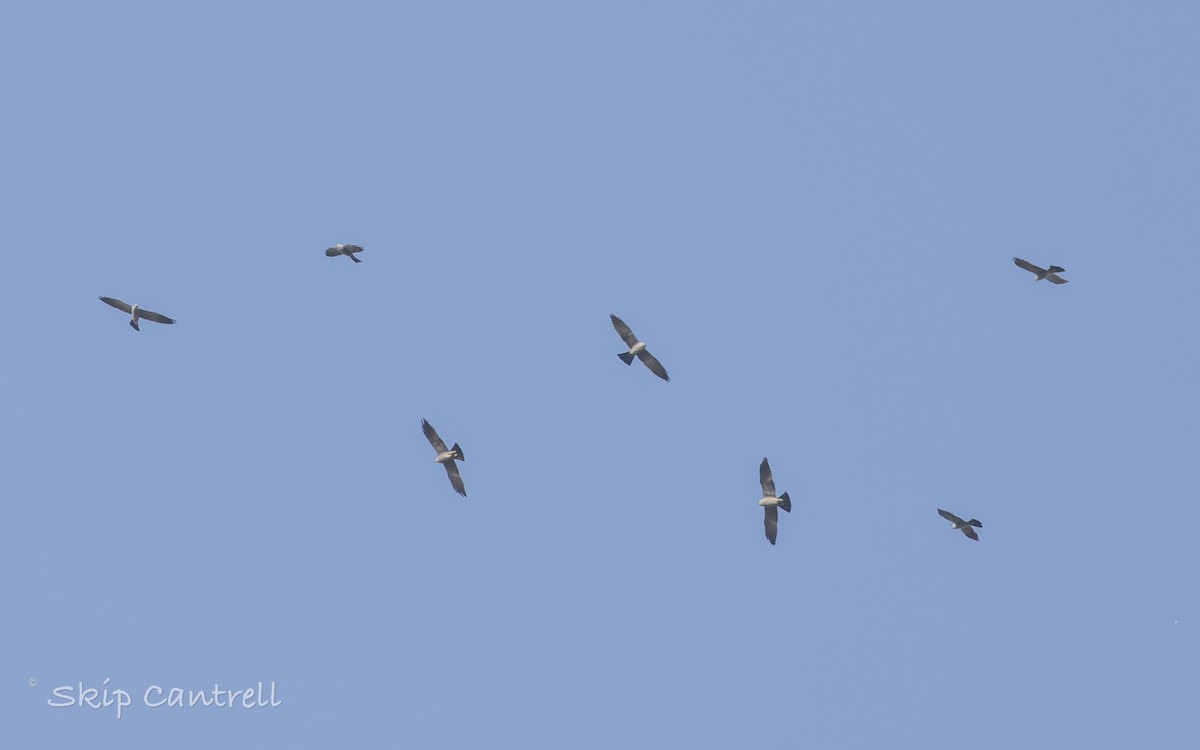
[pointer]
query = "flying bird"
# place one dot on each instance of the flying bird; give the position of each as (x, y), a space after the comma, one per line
(137, 313)
(347, 250)
(958, 523)
(770, 503)
(446, 457)
(637, 349)
(1050, 274)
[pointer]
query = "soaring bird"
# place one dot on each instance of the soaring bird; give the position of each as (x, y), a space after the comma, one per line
(769, 502)
(136, 312)
(446, 457)
(347, 250)
(958, 523)
(637, 349)
(1049, 274)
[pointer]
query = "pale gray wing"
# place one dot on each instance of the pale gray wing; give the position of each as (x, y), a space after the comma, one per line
(1028, 266)
(655, 366)
(970, 531)
(623, 331)
(771, 522)
(455, 478)
(117, 304)
(333, 252)
(155, 317)
(765, 479)
(1056, 279)
(950, 516)
(431, 434)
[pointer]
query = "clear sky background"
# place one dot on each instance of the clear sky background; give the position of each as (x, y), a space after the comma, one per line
(807, 209)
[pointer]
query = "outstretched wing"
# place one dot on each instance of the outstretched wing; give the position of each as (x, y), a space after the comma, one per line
(1056, 278)
(333, 252)
(950, 517)
(1028, 266)
(765, 479)
(431, 435)
(153, 316)
(771, 522)
(655, 366)
(352, 248)
(455, 478)
(623, 331)
(969, 531)
(117, 304)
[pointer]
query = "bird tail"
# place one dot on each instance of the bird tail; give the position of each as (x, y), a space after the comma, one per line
(975, 523)
(787, 502)
(1057, 269)
(134, 324)
(458, 453)
(626, 357)
(354, 258)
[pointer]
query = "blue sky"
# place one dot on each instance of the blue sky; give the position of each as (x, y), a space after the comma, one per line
(807, 210)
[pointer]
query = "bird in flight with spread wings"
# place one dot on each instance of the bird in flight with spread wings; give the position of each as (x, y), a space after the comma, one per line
(958, 523)
(1050, 274)
(770, 503)
(637, 349)
(347, 250)
(446, 457)
(136, 313)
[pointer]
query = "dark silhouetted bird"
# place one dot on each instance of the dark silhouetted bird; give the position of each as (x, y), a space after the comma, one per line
(958, 523)
(347, 250)
(770, 503)
(446, 457)
(1049, 274)
(136, 313)
(637, 349)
